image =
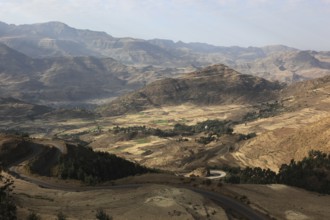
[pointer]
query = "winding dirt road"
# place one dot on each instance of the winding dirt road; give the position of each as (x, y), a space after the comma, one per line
(224, 201)
(216, 174)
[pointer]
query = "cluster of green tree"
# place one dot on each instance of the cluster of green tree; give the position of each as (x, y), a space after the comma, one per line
(210, 127)
(100, 215)
(93, 167)
(311, 173)
(266, 110)
(246, 136)
(13, 151)
(205, 139)
(33, 216)
(43, 163)
(7, 205)
(134, 131)
(252, 176)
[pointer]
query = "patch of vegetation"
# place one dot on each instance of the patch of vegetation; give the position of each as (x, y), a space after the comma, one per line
(14, 150)
(212, 127)
(142, 141)
(209, 127)
(247, 136)
(102, 215)
(60, 216)
(97, 129)
(311, 173)
(207, 182)
(266, 110)
(160, 122)
(33, 216)
(147, 152)
(212, 130)
(142, 131)
(7, 205)
(205, 139)
(44, 162)
(93, 167)
(252, 176)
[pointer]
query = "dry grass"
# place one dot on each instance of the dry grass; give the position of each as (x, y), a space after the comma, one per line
(290, 135)
(166, 117)
(167, 202)
(275, 147)
(147, 202)
(284, 202)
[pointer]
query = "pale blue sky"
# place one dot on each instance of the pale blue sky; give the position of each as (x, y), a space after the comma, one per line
(303, 24)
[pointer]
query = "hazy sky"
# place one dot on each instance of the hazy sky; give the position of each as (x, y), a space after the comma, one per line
(303, 24)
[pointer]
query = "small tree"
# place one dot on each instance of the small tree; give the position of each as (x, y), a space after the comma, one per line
(102, 215)
(7, 205)
(61, 216)
(33, 216)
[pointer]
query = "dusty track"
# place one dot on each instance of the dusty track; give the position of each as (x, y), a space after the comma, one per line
(216, 174)
(224, 201)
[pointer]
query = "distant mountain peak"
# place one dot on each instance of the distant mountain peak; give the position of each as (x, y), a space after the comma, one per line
(54, 23)
(217, 69)
(54, 39)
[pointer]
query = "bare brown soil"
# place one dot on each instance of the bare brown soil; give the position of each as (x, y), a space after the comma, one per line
(284, 202)
(147, 202)
(156, 201)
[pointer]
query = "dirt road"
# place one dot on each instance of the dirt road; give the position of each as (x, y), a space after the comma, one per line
(224, 201)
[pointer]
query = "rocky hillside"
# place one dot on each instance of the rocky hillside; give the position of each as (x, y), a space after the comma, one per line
(303, 126)
(58, 39)
(49, 39)
(69, 79)
(288, 67)
(55, 39)
(313, 93)
(273, 148)
(76, 67)
(13, 109)
(213, 85)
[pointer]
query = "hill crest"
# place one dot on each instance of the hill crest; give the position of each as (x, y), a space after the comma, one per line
(216, 84)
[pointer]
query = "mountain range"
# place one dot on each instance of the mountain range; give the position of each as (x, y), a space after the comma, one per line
(54, 39)
(69, 78)
(58, 39)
